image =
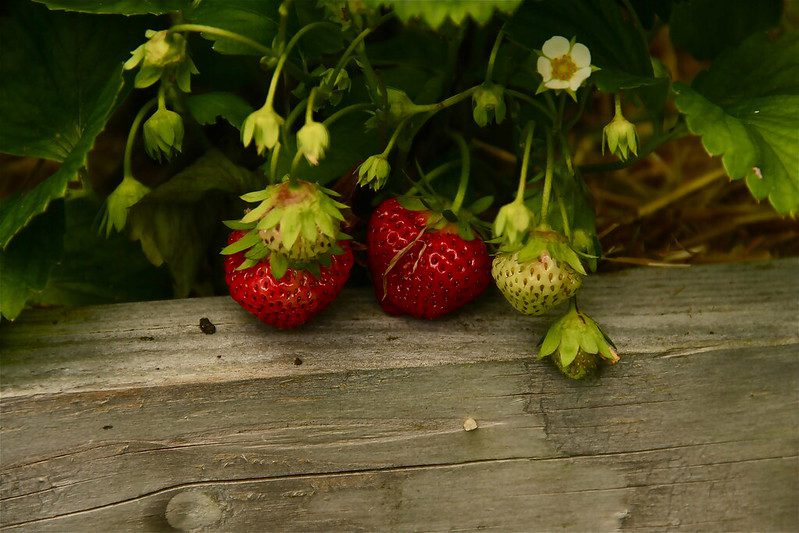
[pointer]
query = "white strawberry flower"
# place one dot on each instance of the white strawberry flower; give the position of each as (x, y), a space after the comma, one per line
(563, 64)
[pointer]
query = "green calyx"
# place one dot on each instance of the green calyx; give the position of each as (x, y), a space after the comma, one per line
(164, 55)
(163, 134)
(620, 135)
(440, 216)
(488, 103)
(576, 343)
(513, 223)
(374, 172)
(127, 194)
(296, 223)
(400, 106)
(541, 242)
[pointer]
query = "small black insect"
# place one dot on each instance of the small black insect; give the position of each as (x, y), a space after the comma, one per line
(207, 326)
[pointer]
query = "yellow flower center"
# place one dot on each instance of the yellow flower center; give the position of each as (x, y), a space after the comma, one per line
(563, 67)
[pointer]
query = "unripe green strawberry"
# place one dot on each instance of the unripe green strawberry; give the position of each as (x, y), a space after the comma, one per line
(585, 364)
(576, 344)
(539, 276)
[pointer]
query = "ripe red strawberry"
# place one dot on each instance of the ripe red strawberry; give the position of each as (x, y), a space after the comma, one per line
(296, 297)
(420, 269)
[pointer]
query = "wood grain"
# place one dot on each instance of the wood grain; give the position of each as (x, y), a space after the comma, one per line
(109, 412)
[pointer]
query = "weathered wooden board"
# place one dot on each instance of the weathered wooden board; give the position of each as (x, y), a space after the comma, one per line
(110, 412)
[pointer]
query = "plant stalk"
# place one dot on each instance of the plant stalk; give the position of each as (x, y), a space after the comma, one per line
(127, 171)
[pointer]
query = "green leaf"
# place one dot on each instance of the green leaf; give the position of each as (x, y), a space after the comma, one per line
(175, 223)
(435, 13)
(256, 19)
(211, 172)
(706, 27)
(119, 7)
(26, 263)
(83, 276)
(206, 108)
(60, 75)
(616, 44)
(752, 121)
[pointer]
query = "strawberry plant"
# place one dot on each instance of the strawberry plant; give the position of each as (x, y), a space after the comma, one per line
(306, 125)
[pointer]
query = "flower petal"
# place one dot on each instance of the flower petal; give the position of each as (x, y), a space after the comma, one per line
(545, 68)
(556, 47)
(581, 55)
(557, 84)
(579, 77)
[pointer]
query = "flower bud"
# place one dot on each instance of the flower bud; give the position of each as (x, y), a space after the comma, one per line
(620, 136)
(489, 104)
(313, 140)
(333, 90)
(127, 194)
(263, 126)
(164, 51)
(374, 172)
(163, 134)
(513, 222)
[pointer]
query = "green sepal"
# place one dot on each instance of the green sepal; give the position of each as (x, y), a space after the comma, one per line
(279, 264)
(465, 231)
(290, 228)
(336, 250)
(308, 222)
(412, 203)
(324, 260)
(551, 340)
(481, 205)
(245, 242)
(331, 209)
(257, 252)
(563, 252)
(247, 263)
(257, 213)
(329, 192)
(238, 224)
(256, 196)
(569, 344)
(313, 268)
(271, 219)
(449, 215)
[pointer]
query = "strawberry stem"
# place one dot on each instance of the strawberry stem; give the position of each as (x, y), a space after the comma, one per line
(547, 181)
(273, 161)
(134, 128)
(449, 102)
(342, 62)
(493, 57)
(219, 32)
(345, 111)
(430, 176)
(532, 101)
(465, 170)
(309, 106)
(528, 148)
(270, 96)
(394, 136)
(563, 214)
